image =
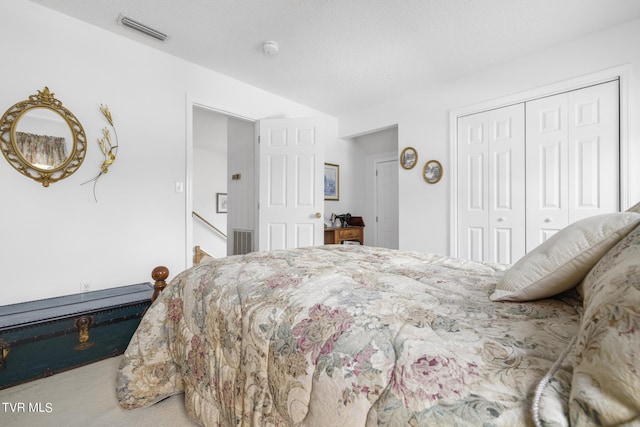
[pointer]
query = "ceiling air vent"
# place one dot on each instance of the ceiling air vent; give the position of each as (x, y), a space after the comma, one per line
(131, 23)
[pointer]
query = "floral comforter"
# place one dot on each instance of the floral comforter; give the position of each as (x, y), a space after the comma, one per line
(348, 336)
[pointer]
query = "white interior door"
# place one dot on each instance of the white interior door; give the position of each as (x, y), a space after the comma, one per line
(387, 204)
(291, 197)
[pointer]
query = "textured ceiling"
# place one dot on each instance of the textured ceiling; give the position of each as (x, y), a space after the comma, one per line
(344, 55)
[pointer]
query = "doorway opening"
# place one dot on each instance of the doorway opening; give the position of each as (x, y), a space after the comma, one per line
(220, 177)
(380, 150)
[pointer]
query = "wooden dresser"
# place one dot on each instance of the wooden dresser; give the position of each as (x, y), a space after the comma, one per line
(354, 232)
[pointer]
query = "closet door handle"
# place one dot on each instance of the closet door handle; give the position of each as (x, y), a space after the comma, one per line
(501, 219)
(547, 220)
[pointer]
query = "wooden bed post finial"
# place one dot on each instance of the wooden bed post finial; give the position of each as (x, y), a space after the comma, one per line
(159, 274)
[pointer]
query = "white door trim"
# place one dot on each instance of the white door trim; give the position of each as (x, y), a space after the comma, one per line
(191, 102)
(621, 73)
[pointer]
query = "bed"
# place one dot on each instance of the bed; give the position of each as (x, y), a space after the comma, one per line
(362, 336)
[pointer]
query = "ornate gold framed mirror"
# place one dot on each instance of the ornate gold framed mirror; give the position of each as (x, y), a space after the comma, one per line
(41, 139)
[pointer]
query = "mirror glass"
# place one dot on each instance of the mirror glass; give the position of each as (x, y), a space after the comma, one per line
(43, 138)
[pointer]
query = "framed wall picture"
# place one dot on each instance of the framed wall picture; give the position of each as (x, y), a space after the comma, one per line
(432, 171)
(331, 181)
(408, 158)
(221, 202)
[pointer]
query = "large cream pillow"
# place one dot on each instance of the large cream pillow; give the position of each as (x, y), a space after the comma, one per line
(605, 389)
(564, 259)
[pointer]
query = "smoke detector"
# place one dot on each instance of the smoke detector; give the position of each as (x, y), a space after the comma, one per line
(270, 47)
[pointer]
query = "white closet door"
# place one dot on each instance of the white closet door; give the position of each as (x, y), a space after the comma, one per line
(594, 151)
(507, 181)
(491, 202)
(572, 159)
(547, 168)
(473, 199)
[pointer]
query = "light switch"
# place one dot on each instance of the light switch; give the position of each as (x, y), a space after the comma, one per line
(179, 187)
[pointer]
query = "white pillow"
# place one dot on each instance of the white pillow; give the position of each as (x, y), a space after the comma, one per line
(564, 259)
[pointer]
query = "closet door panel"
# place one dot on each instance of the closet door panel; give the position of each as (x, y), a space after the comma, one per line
(473, 213)
(547, 171)
(506, 184)
(476, 167)
(587, 170)
(502, 245)
(476, 243)
(594, 151)
(549, 175)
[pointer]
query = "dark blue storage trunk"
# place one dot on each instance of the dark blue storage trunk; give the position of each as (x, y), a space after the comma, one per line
(44, 337)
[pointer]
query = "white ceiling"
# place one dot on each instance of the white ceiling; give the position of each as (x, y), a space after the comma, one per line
(339, 56)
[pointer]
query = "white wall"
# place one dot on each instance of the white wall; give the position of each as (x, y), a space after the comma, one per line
(423, 122)
(54, 239)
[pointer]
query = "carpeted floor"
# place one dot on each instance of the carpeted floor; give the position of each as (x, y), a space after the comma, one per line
(83, 397)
